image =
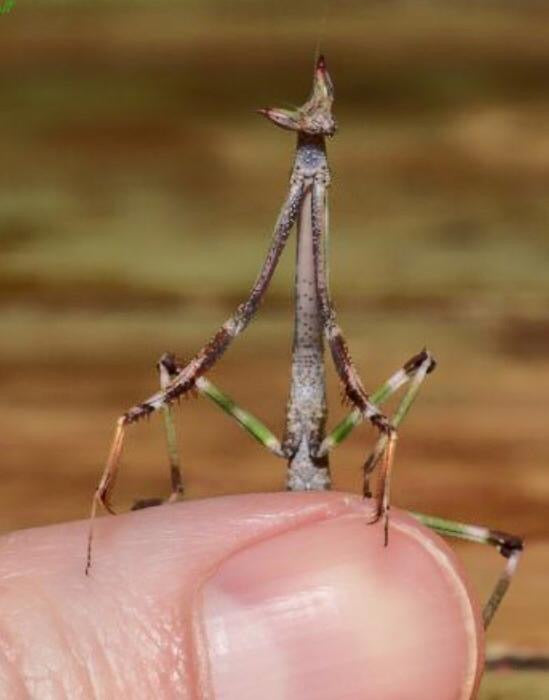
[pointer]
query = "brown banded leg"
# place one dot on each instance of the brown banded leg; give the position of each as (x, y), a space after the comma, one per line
(354, 390)
(186, 378)
(352, 385)
(233, 326)
(346, 370)
(167, 369)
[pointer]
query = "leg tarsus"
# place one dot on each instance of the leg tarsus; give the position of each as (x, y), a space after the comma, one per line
(104, 489)
(90, 537)
(421, 364)
(384, 490)
(106, 485)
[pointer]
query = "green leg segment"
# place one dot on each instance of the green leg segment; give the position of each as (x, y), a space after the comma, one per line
(509, 546)
(416, 369)
(168, 368)
(393, 384)
(400, 414)
(171, 439)
(250, 423)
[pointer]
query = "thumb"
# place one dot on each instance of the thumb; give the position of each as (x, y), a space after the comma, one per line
(283, 595)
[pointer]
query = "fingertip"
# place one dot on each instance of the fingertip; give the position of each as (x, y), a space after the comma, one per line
(291, 593)
(326, 611)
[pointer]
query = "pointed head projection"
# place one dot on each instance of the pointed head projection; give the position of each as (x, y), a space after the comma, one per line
(315, 116)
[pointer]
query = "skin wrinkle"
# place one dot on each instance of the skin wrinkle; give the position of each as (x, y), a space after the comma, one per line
(152, 672)
(144, 636)
(92, 650)
(71, 641)
(163, 635)
(38, 685)
(107, 665)
(98, 648)
(11, 680)
(66, 634)
(175, 634)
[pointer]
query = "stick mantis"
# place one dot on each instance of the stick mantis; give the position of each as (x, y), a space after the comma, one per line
(305, 445)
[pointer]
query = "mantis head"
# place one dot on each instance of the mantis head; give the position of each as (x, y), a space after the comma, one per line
(315, 116)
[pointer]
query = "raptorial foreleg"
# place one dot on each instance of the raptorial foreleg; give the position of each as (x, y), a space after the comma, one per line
(346, 370)
(207, 356)
(352, 385)
(212, 351)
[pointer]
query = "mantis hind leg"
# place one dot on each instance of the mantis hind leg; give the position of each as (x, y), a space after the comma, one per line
(509, 546)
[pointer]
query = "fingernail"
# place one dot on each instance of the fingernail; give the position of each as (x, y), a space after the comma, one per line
(323, 612)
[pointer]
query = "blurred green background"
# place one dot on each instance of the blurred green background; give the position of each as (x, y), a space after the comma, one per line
(138, 191)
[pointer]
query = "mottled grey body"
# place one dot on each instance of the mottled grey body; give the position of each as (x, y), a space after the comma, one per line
(306, 411)
(305, 445)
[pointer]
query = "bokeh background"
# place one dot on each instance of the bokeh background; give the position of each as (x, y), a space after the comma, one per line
(138, 191)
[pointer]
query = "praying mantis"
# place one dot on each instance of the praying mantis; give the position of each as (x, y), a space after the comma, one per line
(306, 444)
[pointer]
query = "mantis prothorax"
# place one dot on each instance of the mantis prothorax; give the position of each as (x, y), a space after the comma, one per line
(305, 444)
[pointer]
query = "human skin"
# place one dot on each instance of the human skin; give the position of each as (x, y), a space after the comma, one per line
(278, 596)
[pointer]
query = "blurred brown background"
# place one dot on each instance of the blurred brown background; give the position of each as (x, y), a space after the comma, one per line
(138, 191)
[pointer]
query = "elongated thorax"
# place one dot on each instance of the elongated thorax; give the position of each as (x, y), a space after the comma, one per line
(306, 410)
